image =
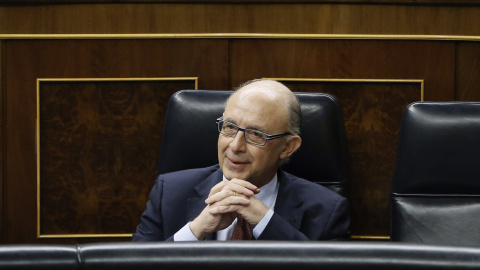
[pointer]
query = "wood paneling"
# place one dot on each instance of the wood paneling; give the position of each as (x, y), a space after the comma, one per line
(372, 112)
(223, 64)
(2, 130)
(99, 145)
(431, 61)
(411, 2)
(468, 71)
(31, 59)
(323, 18)
(450, 70)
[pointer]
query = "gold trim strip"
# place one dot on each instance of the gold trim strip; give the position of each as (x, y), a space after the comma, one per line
(37, 143)
(420, 81)
(3, 143)
(120, 79)
(240, 35)
(369, 237)
(44, 236)
(117, 79)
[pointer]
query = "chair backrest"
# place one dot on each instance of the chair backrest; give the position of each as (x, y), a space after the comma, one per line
(190, 136)
(436, 183)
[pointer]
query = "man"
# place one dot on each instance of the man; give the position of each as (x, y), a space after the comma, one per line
(247, 187)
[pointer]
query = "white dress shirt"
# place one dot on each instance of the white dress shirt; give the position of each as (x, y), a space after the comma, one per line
(267, 195)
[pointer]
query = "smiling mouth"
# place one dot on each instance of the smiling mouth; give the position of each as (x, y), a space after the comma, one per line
(236, 162)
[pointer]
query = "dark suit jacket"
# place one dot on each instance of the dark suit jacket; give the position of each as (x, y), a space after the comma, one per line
(303, 210)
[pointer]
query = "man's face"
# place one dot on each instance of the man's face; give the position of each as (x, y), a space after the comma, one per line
(239, 159)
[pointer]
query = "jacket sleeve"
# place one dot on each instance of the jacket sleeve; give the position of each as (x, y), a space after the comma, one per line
(279, 229)
(330, 223)
(151, 224)
(339, 222)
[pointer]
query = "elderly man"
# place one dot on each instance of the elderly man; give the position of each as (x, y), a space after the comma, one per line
(246, 196)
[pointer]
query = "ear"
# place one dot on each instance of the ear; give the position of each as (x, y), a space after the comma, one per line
(292, 144)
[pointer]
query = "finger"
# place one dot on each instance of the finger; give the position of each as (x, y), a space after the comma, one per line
(238, 189)
(223, 209)
(229, 202)
(236, 185)
(245, 184)
(221, 195)
(218, 187)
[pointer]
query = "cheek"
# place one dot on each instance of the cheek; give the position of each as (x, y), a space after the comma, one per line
(269, 155)
(259, 156)
(222, 146)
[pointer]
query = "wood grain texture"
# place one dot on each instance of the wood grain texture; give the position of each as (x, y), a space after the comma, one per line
(411, 2)
(300, 18)
(445, 67)
(2, 129)
(372, 112)
(28, 60)
(431, 61)
(467, 72)
(99, 149)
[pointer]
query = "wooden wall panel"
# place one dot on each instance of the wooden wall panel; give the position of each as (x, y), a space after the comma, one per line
(372, 115)
(449, 70)
(411, 2)
(2, 130)
(431, 61)
(28, 60)
(467, 71)
(300, 18)
(99, 147)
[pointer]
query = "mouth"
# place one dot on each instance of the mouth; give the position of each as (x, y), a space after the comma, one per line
(236, 162)
(236, 165)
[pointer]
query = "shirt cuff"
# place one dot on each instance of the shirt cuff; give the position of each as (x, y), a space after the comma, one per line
(257, 231)
(184, 234)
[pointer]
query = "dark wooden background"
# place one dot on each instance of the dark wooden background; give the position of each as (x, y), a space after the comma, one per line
(99, 140)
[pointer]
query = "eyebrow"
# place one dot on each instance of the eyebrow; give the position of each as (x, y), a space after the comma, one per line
(254, 127)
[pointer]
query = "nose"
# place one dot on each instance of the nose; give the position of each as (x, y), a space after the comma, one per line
(238, 144)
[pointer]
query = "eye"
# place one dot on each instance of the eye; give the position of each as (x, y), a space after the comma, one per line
(228, 126)
(257, 134)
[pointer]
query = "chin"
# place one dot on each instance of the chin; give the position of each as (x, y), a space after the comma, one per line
(230, 175)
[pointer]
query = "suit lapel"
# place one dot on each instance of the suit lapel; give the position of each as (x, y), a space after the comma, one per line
(195, 205)
(286, 205)
(288, 200)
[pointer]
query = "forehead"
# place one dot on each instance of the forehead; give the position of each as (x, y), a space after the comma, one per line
(254, 108)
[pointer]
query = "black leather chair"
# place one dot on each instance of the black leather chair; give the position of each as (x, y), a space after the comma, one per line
(190, 136)
(212, 255)
(38, 257)
(436, 183)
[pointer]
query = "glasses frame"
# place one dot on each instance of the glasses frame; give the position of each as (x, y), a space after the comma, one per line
(268, 136)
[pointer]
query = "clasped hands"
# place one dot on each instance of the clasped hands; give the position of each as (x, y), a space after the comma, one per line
(226, 200)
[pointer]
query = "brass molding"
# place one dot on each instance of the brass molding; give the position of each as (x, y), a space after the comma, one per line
(421, 82)
(116, 80)
(369, 237)
(3, 144)
(37, 142)
(242, 35)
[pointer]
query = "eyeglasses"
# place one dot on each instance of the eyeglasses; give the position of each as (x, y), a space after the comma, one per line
(252, 136)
